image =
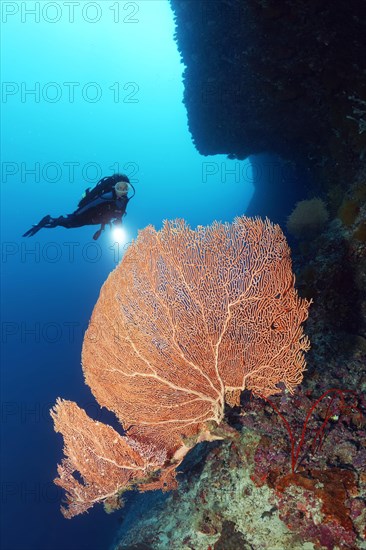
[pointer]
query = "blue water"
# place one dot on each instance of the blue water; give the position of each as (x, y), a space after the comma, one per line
(126, 115)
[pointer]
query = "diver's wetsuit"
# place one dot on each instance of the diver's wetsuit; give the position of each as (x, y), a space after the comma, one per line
(101, 205)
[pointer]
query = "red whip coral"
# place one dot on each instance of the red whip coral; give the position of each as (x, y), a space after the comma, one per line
(188, 320)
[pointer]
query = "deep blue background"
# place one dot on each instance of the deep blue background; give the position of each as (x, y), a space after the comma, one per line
(48, 292)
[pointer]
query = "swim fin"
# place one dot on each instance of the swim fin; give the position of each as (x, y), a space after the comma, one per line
(33, 230)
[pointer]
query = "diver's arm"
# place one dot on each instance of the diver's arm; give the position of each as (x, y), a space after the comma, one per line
(121, 204)
(120, 210)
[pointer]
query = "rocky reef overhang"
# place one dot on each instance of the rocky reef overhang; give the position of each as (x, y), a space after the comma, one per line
(287, 78)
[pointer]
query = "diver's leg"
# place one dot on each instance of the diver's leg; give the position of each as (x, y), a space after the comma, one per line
(49, 222)
(67, 221)
(61, 221)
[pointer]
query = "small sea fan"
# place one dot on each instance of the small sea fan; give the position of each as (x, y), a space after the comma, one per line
(308, 218)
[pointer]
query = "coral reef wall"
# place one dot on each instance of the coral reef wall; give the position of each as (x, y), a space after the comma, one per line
(279, 77)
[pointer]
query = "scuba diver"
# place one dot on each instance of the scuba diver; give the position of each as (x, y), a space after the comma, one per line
(105, 203)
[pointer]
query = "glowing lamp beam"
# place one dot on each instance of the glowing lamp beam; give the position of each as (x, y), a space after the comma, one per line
(119, 234)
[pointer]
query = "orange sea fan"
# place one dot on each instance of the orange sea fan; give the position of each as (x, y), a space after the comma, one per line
(188, 320)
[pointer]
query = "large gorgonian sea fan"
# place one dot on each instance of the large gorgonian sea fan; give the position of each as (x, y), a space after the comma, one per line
(188, 320)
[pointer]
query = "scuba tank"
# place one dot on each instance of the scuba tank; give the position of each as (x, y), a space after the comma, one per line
(103, 186)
